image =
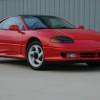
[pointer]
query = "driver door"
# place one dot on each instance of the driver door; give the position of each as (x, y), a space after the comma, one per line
(10, 41)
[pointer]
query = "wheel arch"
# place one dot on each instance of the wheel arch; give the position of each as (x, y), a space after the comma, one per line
(31, 40)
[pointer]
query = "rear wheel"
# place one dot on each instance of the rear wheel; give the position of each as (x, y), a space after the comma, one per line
(93, 64)
(35, 55)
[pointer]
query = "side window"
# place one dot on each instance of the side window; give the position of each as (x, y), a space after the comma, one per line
(11, 21)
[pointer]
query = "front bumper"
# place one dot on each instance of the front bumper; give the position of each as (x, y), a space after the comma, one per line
(55, 54)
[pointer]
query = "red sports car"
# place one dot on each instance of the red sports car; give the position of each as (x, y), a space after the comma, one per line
(47, 38)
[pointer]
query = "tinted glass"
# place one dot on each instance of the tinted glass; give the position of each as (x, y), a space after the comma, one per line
(11, 21)
(36, 22)
(33, 22)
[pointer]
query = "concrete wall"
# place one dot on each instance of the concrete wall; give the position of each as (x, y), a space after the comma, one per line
(85, 12)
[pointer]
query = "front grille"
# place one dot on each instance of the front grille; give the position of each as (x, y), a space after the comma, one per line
(88, 55)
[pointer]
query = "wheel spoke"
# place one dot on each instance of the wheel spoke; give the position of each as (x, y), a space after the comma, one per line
(38, 61)
(36, 48)
(32, 58)
(40, 54)
(31, 53)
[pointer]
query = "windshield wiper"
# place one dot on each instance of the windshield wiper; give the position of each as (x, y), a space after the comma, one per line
(64, 28)
(40, 28)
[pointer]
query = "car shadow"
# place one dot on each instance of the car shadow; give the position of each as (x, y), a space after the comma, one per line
(72, 67)
(14, 62)
(67, 67)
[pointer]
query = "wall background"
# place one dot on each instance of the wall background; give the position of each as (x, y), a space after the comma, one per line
(78, 12)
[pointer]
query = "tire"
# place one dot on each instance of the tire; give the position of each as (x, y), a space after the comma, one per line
(35, 56)
(93, 64)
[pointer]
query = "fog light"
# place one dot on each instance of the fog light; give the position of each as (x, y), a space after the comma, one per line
(71, 55)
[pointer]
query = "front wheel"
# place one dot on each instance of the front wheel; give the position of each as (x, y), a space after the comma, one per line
(35, 56)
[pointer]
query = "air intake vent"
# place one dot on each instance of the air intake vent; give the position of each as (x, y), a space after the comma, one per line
(87, 55)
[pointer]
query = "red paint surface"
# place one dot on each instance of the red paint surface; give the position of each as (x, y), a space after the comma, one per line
(13, 43)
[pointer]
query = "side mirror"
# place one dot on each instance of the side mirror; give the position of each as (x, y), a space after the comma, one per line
(15, 28)
(80, 27)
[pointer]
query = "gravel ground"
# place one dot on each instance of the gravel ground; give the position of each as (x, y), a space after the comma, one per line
(58, 82)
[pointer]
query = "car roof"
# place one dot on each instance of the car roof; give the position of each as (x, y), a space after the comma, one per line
(27, 16)
(37, 15)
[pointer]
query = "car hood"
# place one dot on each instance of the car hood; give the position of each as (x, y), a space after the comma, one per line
(77, 34)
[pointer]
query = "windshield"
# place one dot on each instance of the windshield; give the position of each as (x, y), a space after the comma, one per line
(46, 22)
